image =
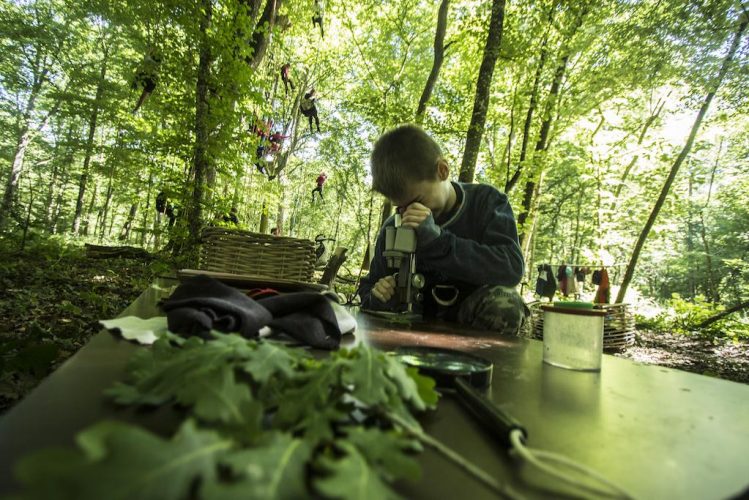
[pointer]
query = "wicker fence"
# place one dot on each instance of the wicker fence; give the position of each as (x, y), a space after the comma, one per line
(618, 325)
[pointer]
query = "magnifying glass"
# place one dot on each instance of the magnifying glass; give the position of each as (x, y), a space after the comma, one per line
(463, 373)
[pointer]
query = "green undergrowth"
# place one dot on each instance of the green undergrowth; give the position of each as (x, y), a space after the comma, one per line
(682, 316)
(51, 297)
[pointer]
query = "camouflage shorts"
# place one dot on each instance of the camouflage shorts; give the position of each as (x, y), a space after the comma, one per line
(497, 308)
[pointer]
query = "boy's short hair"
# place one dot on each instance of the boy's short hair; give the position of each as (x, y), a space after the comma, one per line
(402, 156)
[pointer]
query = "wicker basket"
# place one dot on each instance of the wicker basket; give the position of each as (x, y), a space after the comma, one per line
(242, 252)
(618, 325)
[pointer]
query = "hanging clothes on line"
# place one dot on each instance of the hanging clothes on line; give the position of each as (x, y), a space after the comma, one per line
(603, 294)
(540, 281)
(580, 273)
(562, 277)
(572, 288)
(546, 285)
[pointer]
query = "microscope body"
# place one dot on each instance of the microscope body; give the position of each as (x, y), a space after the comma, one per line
(400, 254)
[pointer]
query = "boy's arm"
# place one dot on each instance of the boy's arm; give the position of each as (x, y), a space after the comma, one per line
(377, 271)
(496, 259)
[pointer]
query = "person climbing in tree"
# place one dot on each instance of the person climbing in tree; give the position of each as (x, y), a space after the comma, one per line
(260, 158)
(276, 139)
(171, 213)
(309, 109)
(261, 128)
(320, 181)
(161, 203)
(286, 78)
(317, 18)
(147, 76)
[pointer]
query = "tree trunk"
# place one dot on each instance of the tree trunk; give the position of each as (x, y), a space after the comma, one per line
(200, 165)
(28, 216)
(439, 56)
(532, 105)
(261, 35)
(87, 219)
(679, 160)
(738, 307)
(713, 291)
(712, 286)
(147, 210)
(263, 219)
(483, 88)
(40, 70)
(15, 170)
(690, 232)
(107, 202)
(294, 127)
(90, 141)
(280, 217)
(541, 145)
(54, 221)
(17, 166)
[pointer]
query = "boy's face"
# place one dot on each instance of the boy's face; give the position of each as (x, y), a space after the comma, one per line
(435, 194)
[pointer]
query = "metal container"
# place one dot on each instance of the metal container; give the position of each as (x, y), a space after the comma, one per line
(573, 337)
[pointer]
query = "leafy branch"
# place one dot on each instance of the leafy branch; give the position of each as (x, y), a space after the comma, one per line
(261, 420)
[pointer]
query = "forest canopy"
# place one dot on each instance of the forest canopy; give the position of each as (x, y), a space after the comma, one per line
(618, 129)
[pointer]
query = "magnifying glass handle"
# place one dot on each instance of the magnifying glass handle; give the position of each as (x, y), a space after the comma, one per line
(492, 418)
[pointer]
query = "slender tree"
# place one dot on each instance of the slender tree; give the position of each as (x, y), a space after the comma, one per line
(200, 157)
(483, 88)
(92, 122)
(543, 54)
(629, 273)
(439, 56)
(533, 184)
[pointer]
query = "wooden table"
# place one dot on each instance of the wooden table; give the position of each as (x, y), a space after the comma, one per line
(660, 433)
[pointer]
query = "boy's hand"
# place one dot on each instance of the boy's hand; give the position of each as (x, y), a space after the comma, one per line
(420, 218)
(414, 215)
(384, 289)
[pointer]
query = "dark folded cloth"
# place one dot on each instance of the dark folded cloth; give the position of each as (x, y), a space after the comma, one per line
(201, 304)
(306, 316)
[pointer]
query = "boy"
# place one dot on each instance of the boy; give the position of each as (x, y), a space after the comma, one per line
(467, 244)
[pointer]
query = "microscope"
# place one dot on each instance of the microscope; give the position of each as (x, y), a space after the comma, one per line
(400, 254)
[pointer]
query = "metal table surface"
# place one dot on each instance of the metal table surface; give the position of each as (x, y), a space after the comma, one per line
(658, 432)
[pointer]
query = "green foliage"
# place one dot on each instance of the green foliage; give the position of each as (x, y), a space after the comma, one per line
(280, 422)
(683, 316)
(121, 461)
(50, 298)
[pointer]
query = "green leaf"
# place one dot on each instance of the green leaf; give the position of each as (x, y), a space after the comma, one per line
(271, 360)
(143, 331)
(214, 395)
(352, 477)
(365, 373)
(413, 387)
(386, 451)
(120, 461)
(275, 470)
(197, 374)
(312, 394)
